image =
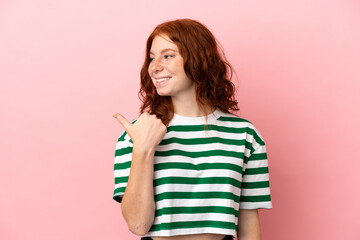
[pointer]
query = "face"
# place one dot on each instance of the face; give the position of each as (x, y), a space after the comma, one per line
(166, 69)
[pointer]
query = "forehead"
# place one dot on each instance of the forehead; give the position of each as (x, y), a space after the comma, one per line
(161, 43)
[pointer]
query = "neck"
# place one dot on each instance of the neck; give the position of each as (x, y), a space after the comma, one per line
(190, 109)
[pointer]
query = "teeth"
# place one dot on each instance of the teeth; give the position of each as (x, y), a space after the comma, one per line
(163, 79)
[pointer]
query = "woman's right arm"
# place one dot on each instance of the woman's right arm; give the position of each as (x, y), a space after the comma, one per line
(138, 203)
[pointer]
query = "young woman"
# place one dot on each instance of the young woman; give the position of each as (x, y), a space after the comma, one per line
(187, 168)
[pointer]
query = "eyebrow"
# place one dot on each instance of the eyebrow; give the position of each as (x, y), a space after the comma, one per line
(164, 50)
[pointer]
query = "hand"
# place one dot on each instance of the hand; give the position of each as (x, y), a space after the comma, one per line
(146, 133)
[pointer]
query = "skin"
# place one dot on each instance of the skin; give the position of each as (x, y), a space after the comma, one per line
(248, 225)
(138, 204)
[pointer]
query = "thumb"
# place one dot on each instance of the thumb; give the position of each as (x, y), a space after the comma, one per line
(123, 121)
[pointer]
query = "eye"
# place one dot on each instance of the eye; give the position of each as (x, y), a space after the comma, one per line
(150, 59)
(167, 56)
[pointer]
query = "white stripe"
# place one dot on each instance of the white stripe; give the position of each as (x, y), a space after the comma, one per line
(197, 174)
(255, 192)
(194, 217)
(122, 172)
(119, 185)
(208, 134)
(119, 194)
(259, 148)
(210, 159)
(196, 203)
(258, 163)
(196, 188)
(200, 147)
(123, 144)
(255, 164)
(255, 205)
(256, 178)
(123, 158)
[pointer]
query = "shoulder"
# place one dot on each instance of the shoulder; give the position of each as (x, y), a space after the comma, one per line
(236, 122)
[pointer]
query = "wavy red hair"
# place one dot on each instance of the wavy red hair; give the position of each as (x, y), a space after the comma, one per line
(203, 64)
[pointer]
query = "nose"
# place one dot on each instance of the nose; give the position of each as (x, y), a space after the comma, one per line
(156, 65)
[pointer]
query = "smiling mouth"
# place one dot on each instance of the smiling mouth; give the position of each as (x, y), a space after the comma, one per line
(163, 79)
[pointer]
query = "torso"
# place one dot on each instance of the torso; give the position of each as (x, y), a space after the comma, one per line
(204, 236)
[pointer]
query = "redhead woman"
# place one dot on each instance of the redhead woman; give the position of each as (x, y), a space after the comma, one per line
(188, 168)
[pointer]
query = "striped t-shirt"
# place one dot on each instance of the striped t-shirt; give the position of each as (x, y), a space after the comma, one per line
(202, 177)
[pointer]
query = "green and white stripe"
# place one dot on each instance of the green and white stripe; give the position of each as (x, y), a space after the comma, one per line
(202, 178)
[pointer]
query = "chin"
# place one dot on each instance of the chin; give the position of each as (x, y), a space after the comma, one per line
(162, 94)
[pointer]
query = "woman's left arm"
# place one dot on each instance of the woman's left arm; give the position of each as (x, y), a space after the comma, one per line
(248, 225)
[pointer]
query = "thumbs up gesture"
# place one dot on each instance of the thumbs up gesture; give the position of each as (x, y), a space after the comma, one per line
(146, 133)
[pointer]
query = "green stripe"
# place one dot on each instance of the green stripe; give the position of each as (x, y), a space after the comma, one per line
(208, 180)
(196, 195)
(119, 190)
(121, 179)
(249, 145)
(250, 185)
(197, 167)
(199, 128)
(203, 209)
(199, 154)
(260, 170)
(261, 198)
(122, 137)
(208, 140)
(192, 224)
(232, 119)
(123, 151)
(258, 156)
(120, 166)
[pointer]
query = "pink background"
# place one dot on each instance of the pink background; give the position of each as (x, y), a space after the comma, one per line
(67, 66)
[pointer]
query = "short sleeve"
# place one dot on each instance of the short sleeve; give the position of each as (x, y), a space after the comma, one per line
(123, 156)
(255, 186)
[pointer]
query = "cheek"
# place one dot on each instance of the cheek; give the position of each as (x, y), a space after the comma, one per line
(176, 67)
(149, 69)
